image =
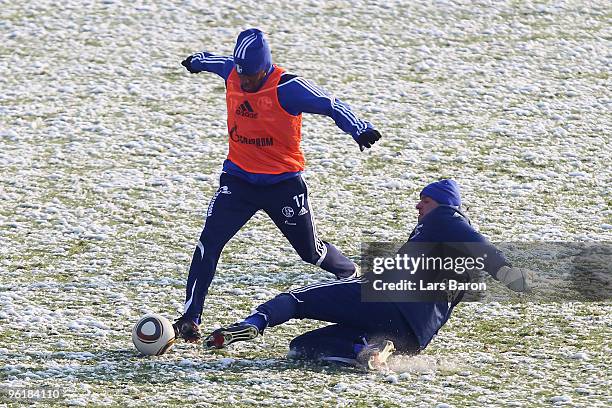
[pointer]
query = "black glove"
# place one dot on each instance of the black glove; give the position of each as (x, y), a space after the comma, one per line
(187, 64)
(186, 329)
(367, 138)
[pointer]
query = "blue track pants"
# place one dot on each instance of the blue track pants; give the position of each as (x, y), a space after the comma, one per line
(356, 322)
(234, 203)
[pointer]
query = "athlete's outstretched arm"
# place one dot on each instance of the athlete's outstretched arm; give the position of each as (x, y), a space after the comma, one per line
(205, 61)
(298, 95)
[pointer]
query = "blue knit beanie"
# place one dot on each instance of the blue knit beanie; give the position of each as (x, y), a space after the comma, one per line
(252, 53)
(443, 192)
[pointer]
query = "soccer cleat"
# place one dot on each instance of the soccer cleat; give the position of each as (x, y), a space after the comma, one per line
(187, 329)
(225, 336)
(374, 356)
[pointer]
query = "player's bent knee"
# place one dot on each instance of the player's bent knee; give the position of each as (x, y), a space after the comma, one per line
(297, 342)
(310, 258)
(299, 346)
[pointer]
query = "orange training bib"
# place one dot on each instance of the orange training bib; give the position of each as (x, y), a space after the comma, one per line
(263, 137)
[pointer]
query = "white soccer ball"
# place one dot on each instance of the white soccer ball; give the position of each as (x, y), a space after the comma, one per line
(153, 335)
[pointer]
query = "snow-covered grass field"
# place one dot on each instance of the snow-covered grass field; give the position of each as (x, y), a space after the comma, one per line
(110, 151)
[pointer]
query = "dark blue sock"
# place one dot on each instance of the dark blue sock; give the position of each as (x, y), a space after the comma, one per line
(357, 348)
(258, 320)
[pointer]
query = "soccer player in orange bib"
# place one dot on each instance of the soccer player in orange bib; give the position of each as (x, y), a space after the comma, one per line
(263, 170)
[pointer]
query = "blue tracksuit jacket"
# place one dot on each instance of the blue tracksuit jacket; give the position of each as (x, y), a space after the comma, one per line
(444, 224)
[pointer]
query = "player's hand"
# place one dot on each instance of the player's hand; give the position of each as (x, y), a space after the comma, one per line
(187, 64)
(516, 279)
(367, 139)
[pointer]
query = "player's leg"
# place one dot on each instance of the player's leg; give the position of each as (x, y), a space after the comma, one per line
(289, 207)
(367, 333)
(342, 344)
(334, 302)
(229, 209)
(272, 313)
(336, 342)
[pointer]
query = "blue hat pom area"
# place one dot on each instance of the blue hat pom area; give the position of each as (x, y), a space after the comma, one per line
(444, 192)
(252, 53)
